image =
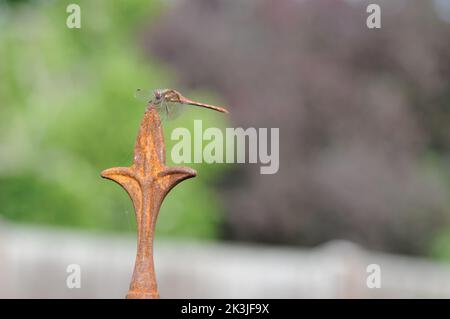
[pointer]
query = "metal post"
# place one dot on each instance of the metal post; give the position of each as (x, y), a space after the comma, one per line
(147, 181)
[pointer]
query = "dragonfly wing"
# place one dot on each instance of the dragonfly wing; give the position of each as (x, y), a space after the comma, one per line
(161, 109)
(144, 95)
(172, 109)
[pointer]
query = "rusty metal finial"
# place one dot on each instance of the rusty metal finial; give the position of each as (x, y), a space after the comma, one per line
(147, 181)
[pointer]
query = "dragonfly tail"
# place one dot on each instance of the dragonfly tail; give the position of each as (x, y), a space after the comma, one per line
(208, 106)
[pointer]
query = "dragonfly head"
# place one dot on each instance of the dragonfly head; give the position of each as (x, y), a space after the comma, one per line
(158, 96)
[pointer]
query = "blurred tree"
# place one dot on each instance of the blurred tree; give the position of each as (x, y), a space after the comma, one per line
(67, 112)
(363, 114)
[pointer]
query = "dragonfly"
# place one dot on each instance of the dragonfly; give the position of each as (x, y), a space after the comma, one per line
(170, 103)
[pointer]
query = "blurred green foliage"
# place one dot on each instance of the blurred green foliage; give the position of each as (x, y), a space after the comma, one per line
(67, 112)
(441, 247)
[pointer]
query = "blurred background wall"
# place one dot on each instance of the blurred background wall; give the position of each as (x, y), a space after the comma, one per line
(364, 118)
(35, 263)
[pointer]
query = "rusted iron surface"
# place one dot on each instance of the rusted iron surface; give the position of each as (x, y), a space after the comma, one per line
(147, 181)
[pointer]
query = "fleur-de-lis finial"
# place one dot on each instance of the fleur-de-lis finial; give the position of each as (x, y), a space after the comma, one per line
(147, 181)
